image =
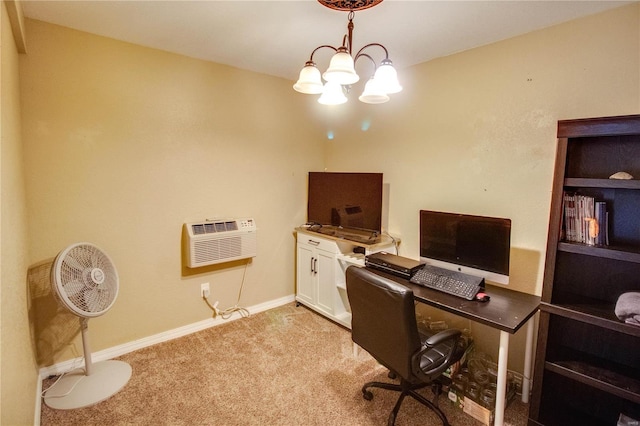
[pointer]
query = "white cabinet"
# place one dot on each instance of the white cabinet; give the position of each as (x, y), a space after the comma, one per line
(315, 273)
(320, 275)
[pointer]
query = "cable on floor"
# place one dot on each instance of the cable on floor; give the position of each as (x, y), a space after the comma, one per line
(73, 368)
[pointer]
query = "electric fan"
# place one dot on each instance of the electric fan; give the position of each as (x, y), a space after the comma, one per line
(85, 282)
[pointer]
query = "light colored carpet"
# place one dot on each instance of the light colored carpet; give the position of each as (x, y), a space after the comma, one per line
(285, 366)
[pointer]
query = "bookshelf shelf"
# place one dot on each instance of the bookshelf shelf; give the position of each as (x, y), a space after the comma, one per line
(599, 313)
(625, 253)
(599, 378)
(582, 344)
(602, 183)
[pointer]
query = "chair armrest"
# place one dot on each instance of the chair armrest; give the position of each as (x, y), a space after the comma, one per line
(442, 337)
(437, 354)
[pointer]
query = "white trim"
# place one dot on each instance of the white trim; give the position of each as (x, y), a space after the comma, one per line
(152, 340)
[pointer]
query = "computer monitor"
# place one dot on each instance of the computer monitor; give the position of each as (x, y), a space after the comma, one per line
(474, 245)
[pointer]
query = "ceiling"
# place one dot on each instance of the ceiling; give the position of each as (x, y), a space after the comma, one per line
(277, 37)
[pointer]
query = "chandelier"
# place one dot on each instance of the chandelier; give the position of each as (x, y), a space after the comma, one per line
(341, 73)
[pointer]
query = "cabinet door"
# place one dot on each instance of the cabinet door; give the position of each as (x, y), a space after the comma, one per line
(326, 281)
(306, 282)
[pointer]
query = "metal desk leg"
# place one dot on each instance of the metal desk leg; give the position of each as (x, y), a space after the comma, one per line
(528, 361)
(501, 389)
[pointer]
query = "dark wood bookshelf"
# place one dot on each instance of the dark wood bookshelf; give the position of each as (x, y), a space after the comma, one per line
(582, 345)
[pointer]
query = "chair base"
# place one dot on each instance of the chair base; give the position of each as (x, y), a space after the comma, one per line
(405, 388)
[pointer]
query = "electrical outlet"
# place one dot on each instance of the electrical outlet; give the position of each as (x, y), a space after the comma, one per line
(204, 290)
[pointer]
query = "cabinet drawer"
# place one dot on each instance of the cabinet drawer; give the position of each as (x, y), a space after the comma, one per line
(319, 243)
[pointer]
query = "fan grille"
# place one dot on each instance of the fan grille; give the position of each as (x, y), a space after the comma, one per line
(85, 280)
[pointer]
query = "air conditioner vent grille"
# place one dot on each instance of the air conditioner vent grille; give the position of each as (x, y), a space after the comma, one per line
(213, 227)
(221, 241)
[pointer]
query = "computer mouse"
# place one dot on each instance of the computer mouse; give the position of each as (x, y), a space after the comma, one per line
(482, 297)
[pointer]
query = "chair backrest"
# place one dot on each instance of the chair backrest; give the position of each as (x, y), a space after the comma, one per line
(383, 319)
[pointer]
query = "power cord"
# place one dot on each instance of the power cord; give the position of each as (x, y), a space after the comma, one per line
(214, 309)
(74, 367)
(227, 313)
(395, 242)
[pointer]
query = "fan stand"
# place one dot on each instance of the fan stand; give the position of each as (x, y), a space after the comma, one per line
(88, 386)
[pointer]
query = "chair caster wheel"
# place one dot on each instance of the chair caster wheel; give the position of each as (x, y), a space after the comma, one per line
(367, 395)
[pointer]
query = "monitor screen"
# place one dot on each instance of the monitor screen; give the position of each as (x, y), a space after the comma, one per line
(475, 245)
(349, 200)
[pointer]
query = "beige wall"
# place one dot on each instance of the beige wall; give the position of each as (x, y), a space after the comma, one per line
(475, 132)
(123, 144)
(17, 365)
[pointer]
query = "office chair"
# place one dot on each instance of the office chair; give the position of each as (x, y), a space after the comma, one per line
(384, 324)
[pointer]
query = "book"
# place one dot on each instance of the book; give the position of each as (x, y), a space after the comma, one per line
(602, 219)
(584, 220)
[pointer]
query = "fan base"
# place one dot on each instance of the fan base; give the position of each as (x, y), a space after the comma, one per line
(77, 390)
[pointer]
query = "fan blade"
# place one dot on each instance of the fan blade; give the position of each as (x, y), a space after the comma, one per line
(72, 288)
(95, 258)
(72, 262)
(94, 300)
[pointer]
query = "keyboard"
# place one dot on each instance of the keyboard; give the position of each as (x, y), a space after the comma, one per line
(451, 282)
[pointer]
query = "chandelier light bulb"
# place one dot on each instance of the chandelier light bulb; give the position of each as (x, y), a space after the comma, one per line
(341, 68)
(373, 93)
(332, 94)
(387, 77)
(309, 81)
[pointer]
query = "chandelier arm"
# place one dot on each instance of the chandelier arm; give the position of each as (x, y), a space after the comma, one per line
(386, 52)
(375, 67)
(320, 47)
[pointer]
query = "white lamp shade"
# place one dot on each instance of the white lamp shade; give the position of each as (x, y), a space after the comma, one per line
(341, 69)
(332, 94)
(373, 93)
(309, 81)
(387, 77)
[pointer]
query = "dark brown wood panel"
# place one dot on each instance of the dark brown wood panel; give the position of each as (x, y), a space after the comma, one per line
(582, 344)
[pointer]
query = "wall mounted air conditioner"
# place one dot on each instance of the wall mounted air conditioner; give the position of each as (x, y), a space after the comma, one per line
(218, 241)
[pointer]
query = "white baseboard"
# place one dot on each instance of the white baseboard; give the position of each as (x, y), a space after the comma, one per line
(126, 348)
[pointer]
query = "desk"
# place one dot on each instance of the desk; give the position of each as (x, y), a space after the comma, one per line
(507, 311)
